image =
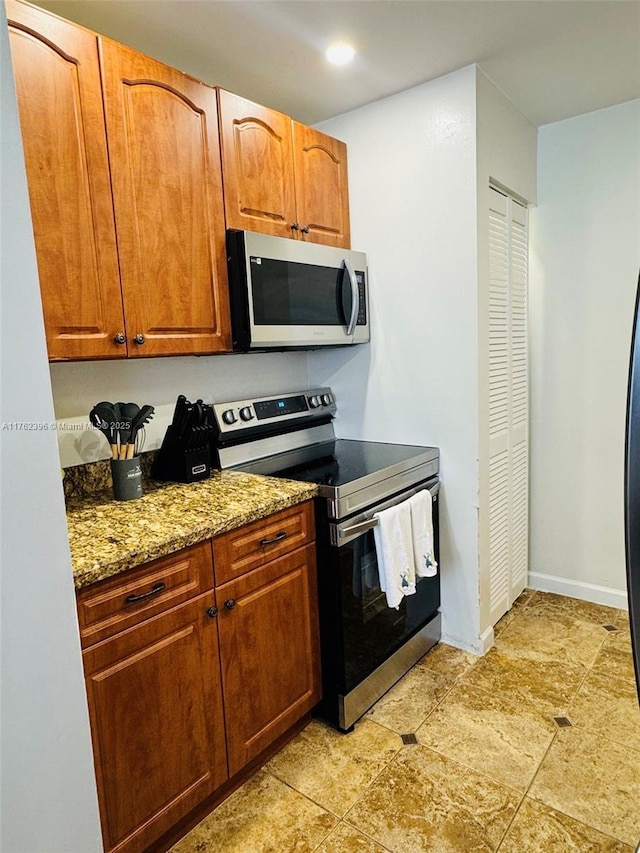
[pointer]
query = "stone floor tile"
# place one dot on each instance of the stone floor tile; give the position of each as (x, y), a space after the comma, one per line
(593, 780)
(539, 829)
(502, 738)
(540, 683)
(447, 661)
(586, 611)
(552, 636)
(346, 839)
(608, 706)
(616, 657)
(405, 707)
(264, 816)
(332, 768)
(425, 803)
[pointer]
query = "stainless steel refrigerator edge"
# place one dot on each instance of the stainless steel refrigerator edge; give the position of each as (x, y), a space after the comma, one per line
(632, 490)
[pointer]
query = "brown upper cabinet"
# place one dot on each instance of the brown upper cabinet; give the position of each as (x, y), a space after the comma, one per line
(57, 78)
(281, 177)
(130, 243)
(162, 128)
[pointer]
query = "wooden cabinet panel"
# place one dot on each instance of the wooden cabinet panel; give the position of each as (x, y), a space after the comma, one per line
(167, 188)
(156, 720)
(249, 547)
(125, 600)
(60, 103)
(259, 192)
(322, 191)
(268, 629)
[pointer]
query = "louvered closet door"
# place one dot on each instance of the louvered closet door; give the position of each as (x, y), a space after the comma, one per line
(508, 402)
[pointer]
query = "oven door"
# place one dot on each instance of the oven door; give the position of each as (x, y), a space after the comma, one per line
(359, 630)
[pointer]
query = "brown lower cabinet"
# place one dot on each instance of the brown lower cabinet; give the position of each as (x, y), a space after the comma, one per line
(188, 681)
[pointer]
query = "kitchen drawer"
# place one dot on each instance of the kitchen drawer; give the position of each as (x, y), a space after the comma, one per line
(249, 547)
(118, 603)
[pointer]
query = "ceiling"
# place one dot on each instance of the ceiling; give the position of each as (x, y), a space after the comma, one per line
(553, 58)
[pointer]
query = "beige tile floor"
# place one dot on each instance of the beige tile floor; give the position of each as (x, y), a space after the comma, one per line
(492, 769)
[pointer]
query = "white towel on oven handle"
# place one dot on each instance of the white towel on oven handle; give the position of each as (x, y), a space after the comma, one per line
(421, 506)
(394, 550)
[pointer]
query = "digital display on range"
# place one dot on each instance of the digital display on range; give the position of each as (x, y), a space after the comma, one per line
(284, 406)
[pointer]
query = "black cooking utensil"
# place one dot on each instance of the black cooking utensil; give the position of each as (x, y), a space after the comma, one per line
(128, 411)
(103, 416)
(143, 417)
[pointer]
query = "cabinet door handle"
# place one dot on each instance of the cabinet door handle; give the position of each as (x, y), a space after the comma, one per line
(120, 339)
(294, 226)
(277, 538)
(230, 603)
(156, 589)
(139, 339)
(212, 612)
(304, 229)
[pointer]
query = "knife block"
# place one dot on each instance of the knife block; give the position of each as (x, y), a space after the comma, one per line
(176, 464)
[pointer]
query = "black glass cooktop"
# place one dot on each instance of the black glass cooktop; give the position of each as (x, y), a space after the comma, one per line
(345, 461)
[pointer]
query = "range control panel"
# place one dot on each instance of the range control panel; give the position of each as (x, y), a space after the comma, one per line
(310, 405)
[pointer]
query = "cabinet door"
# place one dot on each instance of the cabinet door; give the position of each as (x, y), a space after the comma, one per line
(57, 79)
(156, 722)
(322, 191)
(257, 159)
(162, 128)
(269, 647)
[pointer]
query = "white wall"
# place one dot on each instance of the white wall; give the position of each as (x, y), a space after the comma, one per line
(49, 798)
(412, 185)
(584, 269)
(77, 386)
(506, 155)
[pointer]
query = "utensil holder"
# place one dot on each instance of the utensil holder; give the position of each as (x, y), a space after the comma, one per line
(127, 479)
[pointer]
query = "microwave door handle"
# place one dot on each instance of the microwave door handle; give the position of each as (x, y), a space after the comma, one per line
(355, 297)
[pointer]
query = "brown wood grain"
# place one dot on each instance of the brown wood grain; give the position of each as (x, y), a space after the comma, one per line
(60, 104)
(164, 153)
(259, 191)
(322, 191)
(241, 550)
(103, 609)
(157, 724)
(269, 648)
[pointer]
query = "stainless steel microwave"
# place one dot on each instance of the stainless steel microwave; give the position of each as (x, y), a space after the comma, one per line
(288, 294)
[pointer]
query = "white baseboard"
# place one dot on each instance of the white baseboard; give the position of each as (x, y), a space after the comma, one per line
(480, 647)
(578, 589)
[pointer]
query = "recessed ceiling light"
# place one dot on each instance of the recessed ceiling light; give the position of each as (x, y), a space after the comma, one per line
(340, 54)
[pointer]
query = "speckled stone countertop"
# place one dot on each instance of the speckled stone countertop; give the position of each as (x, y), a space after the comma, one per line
(108, 536)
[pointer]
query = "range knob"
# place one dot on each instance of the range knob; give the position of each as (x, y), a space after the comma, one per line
(314, 401)
(229, 416)
(326, 399)
(246, 414)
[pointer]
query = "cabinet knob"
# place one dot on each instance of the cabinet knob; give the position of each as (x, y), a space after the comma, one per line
(139, 339)
(294, 226)
(230, 603)
(304, 229)
(212, 612)
(120, 338)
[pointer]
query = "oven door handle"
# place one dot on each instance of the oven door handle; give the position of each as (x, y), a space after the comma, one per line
(370, 523)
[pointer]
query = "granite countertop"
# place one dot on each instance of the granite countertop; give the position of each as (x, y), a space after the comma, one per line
(108, 536)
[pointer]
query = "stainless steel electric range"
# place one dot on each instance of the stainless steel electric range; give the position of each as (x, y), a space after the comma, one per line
(366, 646)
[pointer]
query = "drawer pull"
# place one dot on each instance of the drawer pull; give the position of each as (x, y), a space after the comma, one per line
(277, 538)
(156, 589)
